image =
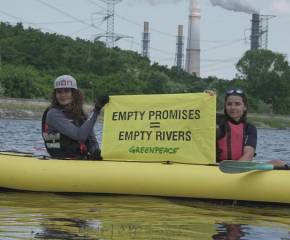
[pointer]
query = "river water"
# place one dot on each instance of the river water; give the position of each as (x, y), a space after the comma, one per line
(28, 215)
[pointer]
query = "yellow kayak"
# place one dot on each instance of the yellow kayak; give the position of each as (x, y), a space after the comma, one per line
(21, 171)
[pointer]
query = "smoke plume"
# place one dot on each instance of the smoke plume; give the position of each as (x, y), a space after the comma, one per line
(153, 2)
(246, 6)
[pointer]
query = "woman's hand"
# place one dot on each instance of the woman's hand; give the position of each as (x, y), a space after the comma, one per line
(102, 100)
(210, 92)
(277, 162)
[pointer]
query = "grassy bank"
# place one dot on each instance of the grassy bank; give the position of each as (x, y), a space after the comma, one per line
(31, 111)
(32, 107)
(271, 122)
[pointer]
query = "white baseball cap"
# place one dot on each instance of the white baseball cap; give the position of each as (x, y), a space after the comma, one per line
(65, 81)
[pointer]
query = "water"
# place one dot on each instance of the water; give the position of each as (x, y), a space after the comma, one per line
(25, 135)
(26, 215)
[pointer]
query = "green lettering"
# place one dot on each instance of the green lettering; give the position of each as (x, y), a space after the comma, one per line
(132, 150)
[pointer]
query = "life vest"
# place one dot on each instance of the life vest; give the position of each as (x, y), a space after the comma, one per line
(59, 145)
(232, 144)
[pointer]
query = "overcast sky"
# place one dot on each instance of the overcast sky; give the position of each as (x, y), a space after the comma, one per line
(224, 32)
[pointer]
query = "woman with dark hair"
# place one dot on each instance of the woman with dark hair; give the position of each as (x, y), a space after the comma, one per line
(66, 129)
(236, 137)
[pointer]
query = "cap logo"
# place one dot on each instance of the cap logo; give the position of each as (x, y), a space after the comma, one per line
(64, 83)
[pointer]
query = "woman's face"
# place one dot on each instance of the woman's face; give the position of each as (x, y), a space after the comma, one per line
(235, 107)
(64, 97)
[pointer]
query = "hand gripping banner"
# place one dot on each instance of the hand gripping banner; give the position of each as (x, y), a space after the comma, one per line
(170, 127)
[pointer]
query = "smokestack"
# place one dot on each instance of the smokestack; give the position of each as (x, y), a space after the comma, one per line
(192, 64)
(145, 40)
(255, 32)
(179, 48)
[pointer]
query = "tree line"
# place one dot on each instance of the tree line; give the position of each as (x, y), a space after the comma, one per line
(31, 60)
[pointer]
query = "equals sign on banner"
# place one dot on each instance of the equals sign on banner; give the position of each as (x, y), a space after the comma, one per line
(155, 125)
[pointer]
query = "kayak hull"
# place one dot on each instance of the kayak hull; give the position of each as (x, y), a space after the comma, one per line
(25, 172)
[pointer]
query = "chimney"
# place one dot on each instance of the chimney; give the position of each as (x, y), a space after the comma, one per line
(255, 32)
(145, 40)
(192, 64)
(179, 48)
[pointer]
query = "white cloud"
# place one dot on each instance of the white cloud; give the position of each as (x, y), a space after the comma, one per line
(281, 6)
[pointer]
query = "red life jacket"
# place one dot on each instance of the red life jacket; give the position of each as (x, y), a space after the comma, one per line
(232, 144)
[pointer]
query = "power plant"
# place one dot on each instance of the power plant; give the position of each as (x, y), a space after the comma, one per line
(192, 62)
(259, 32)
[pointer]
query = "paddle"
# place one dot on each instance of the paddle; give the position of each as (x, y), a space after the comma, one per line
(228, 166)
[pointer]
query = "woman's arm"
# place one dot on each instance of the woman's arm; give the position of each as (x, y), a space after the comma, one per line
(250, 143)
(92, 142)
(249, 153)
(57, 120)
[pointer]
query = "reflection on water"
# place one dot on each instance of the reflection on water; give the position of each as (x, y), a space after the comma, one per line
(27, 215)
(54, 216)
(230, 231)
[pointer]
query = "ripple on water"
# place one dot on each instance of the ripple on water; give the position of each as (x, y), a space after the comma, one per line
(24, 135)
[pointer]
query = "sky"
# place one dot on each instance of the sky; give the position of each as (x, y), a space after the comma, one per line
(224, 27)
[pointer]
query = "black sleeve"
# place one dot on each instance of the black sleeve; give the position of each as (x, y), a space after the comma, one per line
(219, 118)
(251, 136)
(56, 119)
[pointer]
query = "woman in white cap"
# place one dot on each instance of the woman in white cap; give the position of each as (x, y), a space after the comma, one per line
(66, 129)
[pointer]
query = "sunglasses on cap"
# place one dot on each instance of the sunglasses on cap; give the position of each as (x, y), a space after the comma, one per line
(239, 91)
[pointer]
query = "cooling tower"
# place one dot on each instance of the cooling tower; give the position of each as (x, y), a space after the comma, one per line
(192, 63)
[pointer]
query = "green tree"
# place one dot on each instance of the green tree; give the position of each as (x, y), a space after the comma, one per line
(20, 82)
(156, 83)
(118, 84)
(267, 75)
(32, 60)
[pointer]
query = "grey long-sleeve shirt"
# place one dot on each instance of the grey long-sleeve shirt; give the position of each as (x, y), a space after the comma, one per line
(59, 123)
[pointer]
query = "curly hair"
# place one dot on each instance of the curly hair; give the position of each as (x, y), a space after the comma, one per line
(243, 119)
(77, 103)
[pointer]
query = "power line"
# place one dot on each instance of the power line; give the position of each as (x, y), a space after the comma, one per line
(216, 69)
(66, 14)
(242, 39)
(30, 23)
(158, 31)
(48, 23)
(79, 30)
(230, 60)
(132, 42)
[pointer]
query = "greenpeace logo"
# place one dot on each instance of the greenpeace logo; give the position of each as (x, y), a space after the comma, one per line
(64, 83)
(154, 150)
